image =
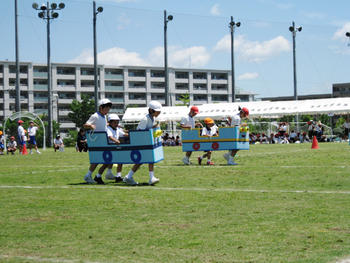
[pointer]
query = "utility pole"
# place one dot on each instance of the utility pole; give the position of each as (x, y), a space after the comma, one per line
(232, 26)
(95, 12)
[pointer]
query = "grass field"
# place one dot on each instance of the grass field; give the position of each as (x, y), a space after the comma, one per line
(283, 203)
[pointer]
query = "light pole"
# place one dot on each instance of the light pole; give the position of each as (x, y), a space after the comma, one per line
(48, 12)
(348, 35)
(232, 26)
(18, 89)
(294, 31)
(95, 12)
(166, 73)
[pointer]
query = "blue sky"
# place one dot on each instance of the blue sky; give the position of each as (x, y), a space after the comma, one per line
(130, 32)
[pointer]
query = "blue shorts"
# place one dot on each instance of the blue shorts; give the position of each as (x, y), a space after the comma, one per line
(1, 146)
(21, 142)
(32, 140)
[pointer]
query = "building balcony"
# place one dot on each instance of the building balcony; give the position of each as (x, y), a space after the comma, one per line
(40, 75)
(114, 88)
(200, 81)
(40, 100)
(219, 91)
(65, 101)
(40, 87)
(63, 112)
(41, 111)
(117, 100)
(114, 76)
(219, 81)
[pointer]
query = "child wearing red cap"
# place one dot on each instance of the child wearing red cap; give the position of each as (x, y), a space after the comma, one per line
(235, 120)
(12, 145)
(209, 130)
(21, 136)
(188, 122)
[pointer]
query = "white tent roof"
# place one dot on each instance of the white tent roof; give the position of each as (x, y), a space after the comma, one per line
(266, 109)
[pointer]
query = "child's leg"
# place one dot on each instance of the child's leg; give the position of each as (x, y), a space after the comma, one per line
(135, 167)
(102, 169)
(119, 169)
(152, 179)
(208, 154)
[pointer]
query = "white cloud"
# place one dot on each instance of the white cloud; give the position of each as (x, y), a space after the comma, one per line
(196, 56)
(248, 75)
(113, 56)
(215, 10)
(123, 21)
(340, 33)
(254, 50)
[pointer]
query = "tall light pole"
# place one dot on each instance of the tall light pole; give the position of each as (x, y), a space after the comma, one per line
(18, 89)
(348, 35)
(294, 31)
(232, 26)
(48, 12)
(95, 12)
(166, 73)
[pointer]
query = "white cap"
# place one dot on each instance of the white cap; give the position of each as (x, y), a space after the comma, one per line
(104, 102)
(155, 105)
(113, 117)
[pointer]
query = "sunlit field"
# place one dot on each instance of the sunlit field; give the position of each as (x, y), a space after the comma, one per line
(282, 203)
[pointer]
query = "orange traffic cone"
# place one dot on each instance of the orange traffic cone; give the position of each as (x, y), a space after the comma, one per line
(24, 149)
(314, 143)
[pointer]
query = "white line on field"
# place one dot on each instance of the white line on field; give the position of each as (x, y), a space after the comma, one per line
(41, 172)
(247, 166)
(196, 189)
(347, 260)
(40, 259)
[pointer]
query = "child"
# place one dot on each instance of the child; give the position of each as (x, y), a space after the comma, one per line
(81, 141)
(235, 121)
(189, 123)
(58, 144)
(12, 146)
(97, 122)
(113, 133)
(209, 130)
(21, 136)
(2, 146)
(32, 129)
(146, 123)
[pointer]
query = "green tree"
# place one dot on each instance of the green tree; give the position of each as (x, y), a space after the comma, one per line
(81, 111)
(185, 99)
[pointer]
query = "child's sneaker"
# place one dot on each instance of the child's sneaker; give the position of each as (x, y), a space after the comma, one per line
(99, 180)
(226, 156)
(88, 179)
(153, 181)
(210, 163)
(130, 181)
(186, 161)
(118, 179)
(109, 175)
(199, 160)
(231, 162)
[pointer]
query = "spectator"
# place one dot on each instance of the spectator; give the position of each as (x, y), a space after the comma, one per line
(346, 126)
(82, 141)
(263, 138)
(310, 128)
(272, 139)
(12, 146)
(58, 144)
(2, 146)
(293, 136)
(178, 141)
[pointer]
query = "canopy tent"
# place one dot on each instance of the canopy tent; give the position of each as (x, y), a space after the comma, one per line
(266, 109)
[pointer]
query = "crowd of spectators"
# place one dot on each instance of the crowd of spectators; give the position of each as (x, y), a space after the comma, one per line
(171, 140)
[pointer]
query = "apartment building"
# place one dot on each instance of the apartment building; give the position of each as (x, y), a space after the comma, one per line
(126, 85)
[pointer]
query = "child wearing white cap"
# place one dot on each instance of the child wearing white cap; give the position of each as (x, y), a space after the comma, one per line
(146, 123)
(97, 122)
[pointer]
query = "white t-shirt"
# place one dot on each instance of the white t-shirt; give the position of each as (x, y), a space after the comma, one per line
(32, 131)
(116, 134)
(99, 121)
(346, 125)
(293, 135)
(146, 123)
(12, 144)
(188, 121)
(235, 120)
(213, 131)
(58, 141)
(21, 132)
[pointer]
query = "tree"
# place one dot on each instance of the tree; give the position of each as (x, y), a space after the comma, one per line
(185, 99)
(81, 111)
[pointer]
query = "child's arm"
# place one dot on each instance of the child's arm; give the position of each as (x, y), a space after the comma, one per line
(114, 139)
(89, 126)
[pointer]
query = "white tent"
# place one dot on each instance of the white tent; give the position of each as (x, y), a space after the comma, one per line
(267, 109)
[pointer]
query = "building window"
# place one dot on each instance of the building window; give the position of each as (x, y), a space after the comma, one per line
(219, 87)
(199, 86)
(219, 76)
(219, 97)
(66, 83)
(182, 86)
(22, 69)
(157, 96)
(181, 75)
(137, 85)
(23, 82)
(137, 73)
(113, 71)
(40, 69)
(1, 69)
(1, 81)
(199, 97)
(87, 71)
(110, 95)
(88, 94)
(1, 94)
(66, 95)
(199, 75)
(157, 73)
(87, 83)
(65, 71)
(157, 85)
(137, 96)
(40, 81)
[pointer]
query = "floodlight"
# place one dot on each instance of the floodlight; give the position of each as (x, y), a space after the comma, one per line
(53, 6)
(100, 9)
(347, 34)
(35, 5)
(54, 15)
(291, 29)
(300, 28)
(170, 17)
(41, 15)
(238, 24)
(43, 7)
(61, 5)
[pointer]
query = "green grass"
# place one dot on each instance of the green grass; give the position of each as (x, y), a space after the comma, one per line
(283, 203)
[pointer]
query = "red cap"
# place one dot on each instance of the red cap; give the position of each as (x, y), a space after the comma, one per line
(195, 109)
(20, 121)
(12, 137)
(245, 110)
